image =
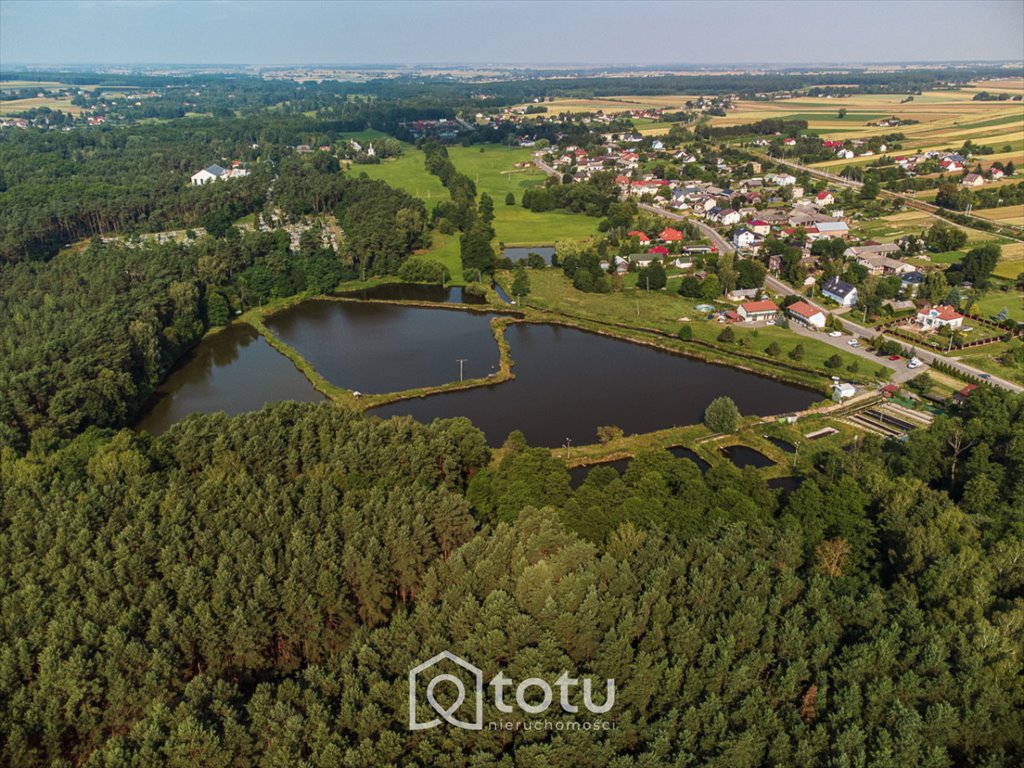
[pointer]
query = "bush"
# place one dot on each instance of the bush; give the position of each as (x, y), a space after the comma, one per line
(797, 352)
(609, 433)
(419, 270)
(727, 336)
(685, 333)
(773, 349)
(722, 415)
(833, 363)
(510, 199)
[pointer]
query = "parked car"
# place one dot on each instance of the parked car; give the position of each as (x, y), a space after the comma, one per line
(853, 343)
(986, 376)
(894, 357)
(834, 334)
(914, 363)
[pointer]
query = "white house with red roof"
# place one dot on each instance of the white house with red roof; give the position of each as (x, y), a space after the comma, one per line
(669, 235)
(789, 142)
(641, 237)
(995, 174)
(824, 198)
(759, 226)
(939, 316)
(752, 311)
(804, 313)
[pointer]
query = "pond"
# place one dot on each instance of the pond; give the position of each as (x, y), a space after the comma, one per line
(374, 348)
(685, 453)
(742, 456)
(520, 254)
(569, 382)
(415, 292)
(234, 371)
(578, 474)
(784, 445)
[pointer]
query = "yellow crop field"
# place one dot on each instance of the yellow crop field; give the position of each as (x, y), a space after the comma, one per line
(1009, 214)
(1011, 262)
(20, 105)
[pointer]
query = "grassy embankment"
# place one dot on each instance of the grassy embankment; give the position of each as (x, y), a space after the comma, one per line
(648, 317)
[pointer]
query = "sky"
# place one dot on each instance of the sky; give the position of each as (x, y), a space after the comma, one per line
(295, 32)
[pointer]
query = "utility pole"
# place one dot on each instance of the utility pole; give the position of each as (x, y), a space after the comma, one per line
(568, 445)
(460, 361)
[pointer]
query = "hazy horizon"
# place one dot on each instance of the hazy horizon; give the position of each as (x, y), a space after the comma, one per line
(592, 34)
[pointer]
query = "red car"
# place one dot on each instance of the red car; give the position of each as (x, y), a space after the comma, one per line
(894, 357)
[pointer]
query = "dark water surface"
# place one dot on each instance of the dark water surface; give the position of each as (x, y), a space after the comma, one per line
(742, 456)
(234, 371)
(374, 348)
(569, 382)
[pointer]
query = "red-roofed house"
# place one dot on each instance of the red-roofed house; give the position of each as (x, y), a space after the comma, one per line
(659, 250)
(804, 313)
(939, 316)
(621, 181)
(641, 236)
(669, 235)
(825, 198)
(995, 173)
(753, 311)
(789, 142)
(890, 390)
(759, 227)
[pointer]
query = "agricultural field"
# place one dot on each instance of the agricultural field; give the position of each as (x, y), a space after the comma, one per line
(945, 119)
(612, 104)
(17, 106)
(1008, 214)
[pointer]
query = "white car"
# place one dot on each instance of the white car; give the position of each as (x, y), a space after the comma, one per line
(835, 334)
(853, 343)
(914, 363)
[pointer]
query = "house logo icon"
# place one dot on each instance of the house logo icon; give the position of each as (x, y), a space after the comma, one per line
(447, 714)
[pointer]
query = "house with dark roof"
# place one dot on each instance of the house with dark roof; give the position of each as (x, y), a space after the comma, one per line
(840, 292)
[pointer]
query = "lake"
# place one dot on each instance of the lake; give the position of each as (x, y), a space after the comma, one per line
(375, 348)
(234, 371)
(568, 382)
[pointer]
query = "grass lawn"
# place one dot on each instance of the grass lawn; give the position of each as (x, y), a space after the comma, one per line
(664, 310)
(409, 173)
(445, 249)
(988, 358)
(494, 172)
(995, 300)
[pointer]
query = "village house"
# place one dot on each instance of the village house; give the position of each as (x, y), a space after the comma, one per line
(641, 237)
(940, 316)
(804, 313)
(216, 173)
(829, 229)
(824, 199)
(995, 174)
(972, 180)
(759, 226)
(752, 311)
(669, 235)
(840, 292)
(744, 239)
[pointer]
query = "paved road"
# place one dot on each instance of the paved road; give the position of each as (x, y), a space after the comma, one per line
(867, 333)
(711, 234)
